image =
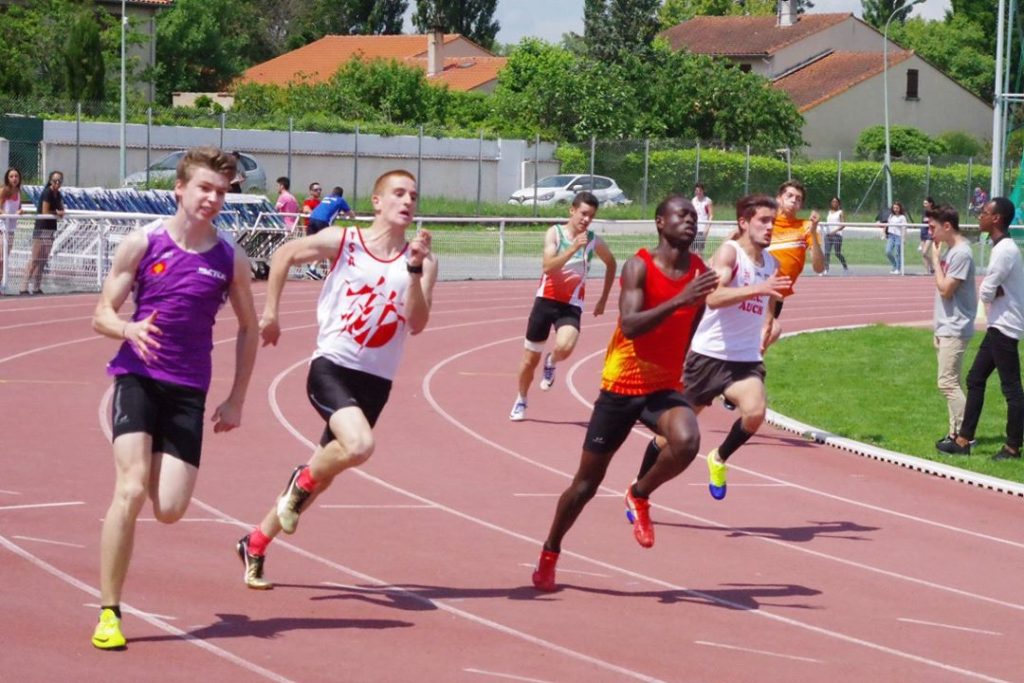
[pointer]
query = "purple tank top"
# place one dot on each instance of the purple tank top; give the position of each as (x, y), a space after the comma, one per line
(186, 290)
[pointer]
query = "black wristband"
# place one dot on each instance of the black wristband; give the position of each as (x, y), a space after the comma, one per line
(415, 270)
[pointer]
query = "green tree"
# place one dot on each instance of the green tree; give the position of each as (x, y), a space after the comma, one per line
(615, 27)
(673, 12)
(904, 141)
(309, 20)
(83, 57)
(200, 46)
(471, 18)
(955, 46)
(877, 12)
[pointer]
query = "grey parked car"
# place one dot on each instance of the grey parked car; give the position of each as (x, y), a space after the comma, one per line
(163, 172)
(561, 189)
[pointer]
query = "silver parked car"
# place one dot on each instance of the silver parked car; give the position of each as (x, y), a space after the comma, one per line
(560, 189)
(163, 172)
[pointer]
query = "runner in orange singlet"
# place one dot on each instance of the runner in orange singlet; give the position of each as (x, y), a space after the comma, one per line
(661, 300)
(792, 237)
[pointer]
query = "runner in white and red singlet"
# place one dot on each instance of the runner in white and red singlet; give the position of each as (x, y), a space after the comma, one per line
(377, 293)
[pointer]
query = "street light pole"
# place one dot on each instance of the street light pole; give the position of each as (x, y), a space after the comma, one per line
(124, 99)
(885, 97)
(999, 104)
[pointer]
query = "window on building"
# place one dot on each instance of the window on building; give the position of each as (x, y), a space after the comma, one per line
(745, 68)
(912, 93)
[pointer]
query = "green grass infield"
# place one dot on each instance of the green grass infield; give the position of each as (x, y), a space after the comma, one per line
(877, 385)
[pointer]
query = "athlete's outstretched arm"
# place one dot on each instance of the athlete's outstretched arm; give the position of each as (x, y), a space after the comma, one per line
(323, 245)
(228, 414)
(605, 254)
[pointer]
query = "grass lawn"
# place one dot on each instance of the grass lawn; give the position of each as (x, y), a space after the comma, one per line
(877, 385)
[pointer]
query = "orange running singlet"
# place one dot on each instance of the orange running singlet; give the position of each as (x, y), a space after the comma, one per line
(791, 238)
(654, 360)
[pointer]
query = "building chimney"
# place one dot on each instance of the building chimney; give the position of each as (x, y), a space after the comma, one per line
(435, 52)
(787, 14)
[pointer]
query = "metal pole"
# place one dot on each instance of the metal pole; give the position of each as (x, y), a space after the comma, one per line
(789, 164)
(419, 160)
(928, 175)
(291, 129)
(746, 172)
(479, 171)
(124, 98)
(78, 140)
(355, 169)
(996, 185)
(501, 250)
(536, 163)
(593, 147)
(223, 122)
(696, 170)
(885, 105)
(839, 175)
(647, 162)
(970, 179)
(149, 147)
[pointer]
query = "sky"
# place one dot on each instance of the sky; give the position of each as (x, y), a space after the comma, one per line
(549, 20)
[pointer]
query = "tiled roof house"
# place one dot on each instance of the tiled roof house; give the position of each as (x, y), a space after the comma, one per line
(831, 66)
(449, 58)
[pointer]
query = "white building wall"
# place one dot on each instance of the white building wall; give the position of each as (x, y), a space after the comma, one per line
(942, 106)
(449, 166)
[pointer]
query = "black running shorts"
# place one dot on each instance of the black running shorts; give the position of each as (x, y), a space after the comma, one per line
(548, 313)
(705, 377)
(331, 387)
(615, 414)
(170, 413)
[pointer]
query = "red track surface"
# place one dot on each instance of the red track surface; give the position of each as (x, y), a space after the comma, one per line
(820, 565)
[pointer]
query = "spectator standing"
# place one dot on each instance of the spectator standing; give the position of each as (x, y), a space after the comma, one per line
(311, 201)
(286, 202)
(327, 210)
(835, 223)
(928, 245)
(51, 203)
(705, 214)
(10, 204)
(239, 180)
(956, 306)
(894, 226)
(1002, 292)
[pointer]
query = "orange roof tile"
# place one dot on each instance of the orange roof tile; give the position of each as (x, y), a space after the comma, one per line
(745, 35)
(833, 75)
(318, 60)
(465, 73)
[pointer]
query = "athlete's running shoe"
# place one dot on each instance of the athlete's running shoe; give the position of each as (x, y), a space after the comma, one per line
(289, 505)
(253, 564)
(716, 475)
(638, 511)
(518, 413)
(544, 575)
(548, 377)
(107, 635)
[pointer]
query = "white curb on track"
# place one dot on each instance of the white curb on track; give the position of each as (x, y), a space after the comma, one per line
(909, 461)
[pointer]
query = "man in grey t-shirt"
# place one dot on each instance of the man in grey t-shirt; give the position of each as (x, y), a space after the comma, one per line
(956, 305)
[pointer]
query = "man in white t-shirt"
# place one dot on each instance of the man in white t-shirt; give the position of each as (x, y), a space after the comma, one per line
(705, 214)
(1002, 292)
(956, 306)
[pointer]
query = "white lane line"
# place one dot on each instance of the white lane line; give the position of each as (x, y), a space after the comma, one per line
(340, 506)
(153, 621)
(508, 677)
(563, 570)
(428, 396)
(49, 541)
(800, 487)
(556, 495)
(41, 505)
(739, 484)
(758, 652)
(96, 605)
(201, 520)
(949, 626)
(11, 493)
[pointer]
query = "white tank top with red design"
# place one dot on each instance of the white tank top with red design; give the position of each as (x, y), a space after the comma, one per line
(361, 310)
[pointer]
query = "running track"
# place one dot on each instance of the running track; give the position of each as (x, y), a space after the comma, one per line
(820, 565)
